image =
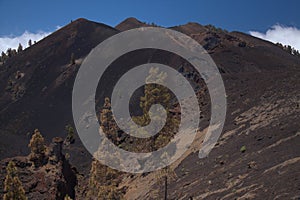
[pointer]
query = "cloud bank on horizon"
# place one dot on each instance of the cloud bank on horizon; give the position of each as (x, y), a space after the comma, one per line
(282, 34)
(13, 42)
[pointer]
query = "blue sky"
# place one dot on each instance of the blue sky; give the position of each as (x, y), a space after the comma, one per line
(36, 16)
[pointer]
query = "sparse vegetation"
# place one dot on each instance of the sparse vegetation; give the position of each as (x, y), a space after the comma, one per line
(61, 175)
(242, 44)
(20, 48)
(151, 24)
(289, 49)
(106, 117)
(12, 185)
(37, 143)
(29, 43)
(3, 57)
(19, 92)
(9, 52)
(16, 90)
(212, 28)
(103, 182)
(12, 52)
(243, 149)
(38, 148)
(70, 139)
(107, 123)
(153, 94)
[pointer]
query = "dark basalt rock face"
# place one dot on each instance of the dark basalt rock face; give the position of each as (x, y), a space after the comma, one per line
(52, 180)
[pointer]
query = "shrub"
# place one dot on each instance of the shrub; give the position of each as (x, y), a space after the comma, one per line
(243, 149)
(70, 134)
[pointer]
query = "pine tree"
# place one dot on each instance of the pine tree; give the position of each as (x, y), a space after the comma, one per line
(37, 143)
(20, 48)
(3, 57)
(29, 43)
(12, 184)
(107, 122)
(38, 148)
(106, 117)
(103, 182)
(157, 94)
(154, 93)
(70, 134)
(14, 52)
(9, 52)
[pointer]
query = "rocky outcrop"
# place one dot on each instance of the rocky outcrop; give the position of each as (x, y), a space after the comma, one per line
(55, 150)
(52, 180)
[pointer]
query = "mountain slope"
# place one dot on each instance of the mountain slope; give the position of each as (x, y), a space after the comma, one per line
(41, 98)
(261, 81)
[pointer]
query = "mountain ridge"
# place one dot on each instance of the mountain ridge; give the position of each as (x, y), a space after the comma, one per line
(261, 81)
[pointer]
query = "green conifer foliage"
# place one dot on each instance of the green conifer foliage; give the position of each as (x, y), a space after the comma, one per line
(20, 48)
(37, 143)
(157, 94)
(38, 148)
(12, 184)
(103, 182)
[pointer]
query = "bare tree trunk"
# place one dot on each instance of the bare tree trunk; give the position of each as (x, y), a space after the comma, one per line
(166, 187)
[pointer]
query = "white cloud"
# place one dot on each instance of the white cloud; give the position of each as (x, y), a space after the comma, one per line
(279, 33)
(13, 42)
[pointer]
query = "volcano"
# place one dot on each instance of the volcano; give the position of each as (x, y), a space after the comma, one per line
(257, 155)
